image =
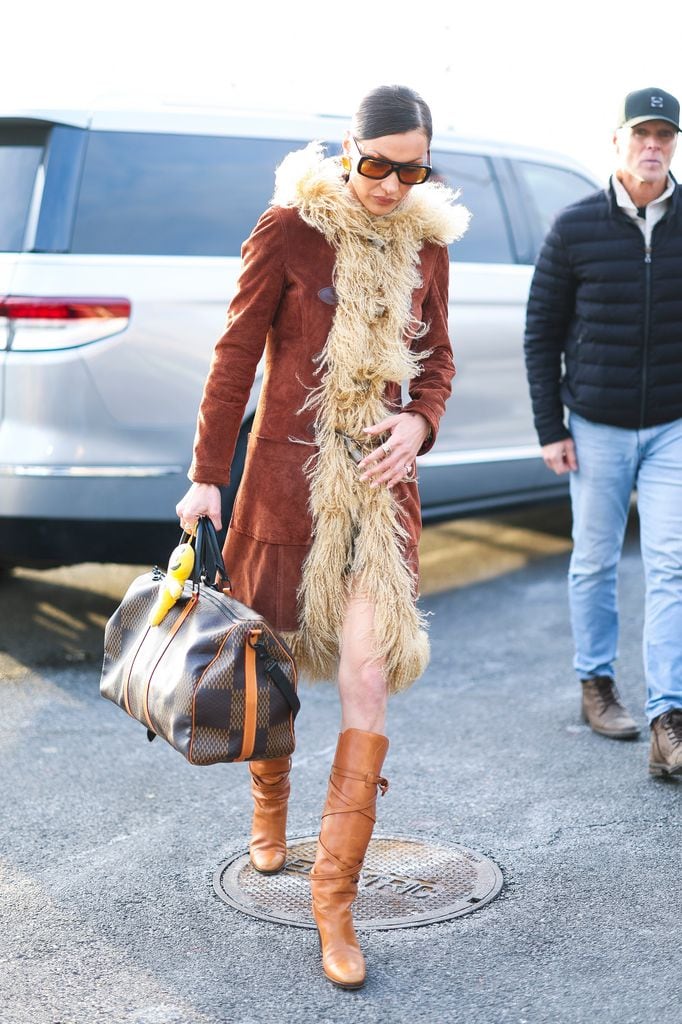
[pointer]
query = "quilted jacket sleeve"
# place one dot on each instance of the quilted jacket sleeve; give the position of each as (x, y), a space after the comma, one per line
(431, 389)
(551, 305)
(238, 351)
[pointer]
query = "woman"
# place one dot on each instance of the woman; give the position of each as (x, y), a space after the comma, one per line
(344, 285)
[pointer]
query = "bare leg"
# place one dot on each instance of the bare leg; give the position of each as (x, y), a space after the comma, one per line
(362, 683)
(350, 810)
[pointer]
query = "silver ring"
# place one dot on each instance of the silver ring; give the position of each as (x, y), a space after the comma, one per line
(386, 448)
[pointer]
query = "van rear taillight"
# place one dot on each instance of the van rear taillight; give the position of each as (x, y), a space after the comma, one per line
(38, 324)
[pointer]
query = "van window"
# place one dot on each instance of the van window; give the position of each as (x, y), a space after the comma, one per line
(21, 152)
(548, 189)
(173, 195)
(487, 238)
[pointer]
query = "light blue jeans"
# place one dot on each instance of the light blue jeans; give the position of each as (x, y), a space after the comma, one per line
(611, 462)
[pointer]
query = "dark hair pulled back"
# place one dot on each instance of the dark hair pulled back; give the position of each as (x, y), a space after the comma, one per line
(392, 110)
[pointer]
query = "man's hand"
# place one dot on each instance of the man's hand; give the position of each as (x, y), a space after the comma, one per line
(560, 456)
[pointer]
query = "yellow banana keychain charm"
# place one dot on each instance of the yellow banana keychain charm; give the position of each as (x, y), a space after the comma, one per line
(180, 567)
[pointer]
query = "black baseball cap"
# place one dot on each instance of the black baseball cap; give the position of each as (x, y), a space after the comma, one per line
(649, 105)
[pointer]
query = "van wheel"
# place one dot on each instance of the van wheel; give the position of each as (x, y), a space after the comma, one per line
(229, 493)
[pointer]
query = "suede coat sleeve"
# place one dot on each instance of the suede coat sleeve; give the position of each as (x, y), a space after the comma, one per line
(238, 352)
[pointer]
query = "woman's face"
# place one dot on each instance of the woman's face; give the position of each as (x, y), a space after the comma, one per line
(383, 196)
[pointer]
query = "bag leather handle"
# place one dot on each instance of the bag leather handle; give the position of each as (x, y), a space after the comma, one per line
(208, 560)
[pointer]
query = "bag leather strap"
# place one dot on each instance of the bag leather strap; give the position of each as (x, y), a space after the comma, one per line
(278, 677)
(208, 564)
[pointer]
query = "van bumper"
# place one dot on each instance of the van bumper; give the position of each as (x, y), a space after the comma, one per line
(52, 515)
(45, 543)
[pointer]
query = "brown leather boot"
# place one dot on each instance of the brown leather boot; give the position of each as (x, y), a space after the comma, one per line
(270, 791)
(665, 753)
(347, 822)
(604, 711)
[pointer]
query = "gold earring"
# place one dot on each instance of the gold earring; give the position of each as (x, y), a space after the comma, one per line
(346, 164)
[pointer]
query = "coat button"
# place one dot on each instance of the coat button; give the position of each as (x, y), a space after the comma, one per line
(328, 295)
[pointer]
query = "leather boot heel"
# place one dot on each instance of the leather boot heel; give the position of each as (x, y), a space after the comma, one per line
(347, 823)
(270, 790)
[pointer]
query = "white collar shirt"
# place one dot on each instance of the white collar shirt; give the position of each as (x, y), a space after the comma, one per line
(653, 211)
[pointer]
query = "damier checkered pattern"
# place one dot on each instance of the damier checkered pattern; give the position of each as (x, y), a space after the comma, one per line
(185, 679)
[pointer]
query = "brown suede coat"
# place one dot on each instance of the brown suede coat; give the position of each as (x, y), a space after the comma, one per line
(284, 305)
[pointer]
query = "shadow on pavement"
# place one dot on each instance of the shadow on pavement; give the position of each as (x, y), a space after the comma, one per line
(56, 617)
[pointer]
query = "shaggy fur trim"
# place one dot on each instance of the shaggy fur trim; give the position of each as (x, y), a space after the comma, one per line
(359, 540)
(307, 180)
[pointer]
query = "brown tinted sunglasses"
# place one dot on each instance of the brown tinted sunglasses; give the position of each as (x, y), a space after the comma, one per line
(377, 168)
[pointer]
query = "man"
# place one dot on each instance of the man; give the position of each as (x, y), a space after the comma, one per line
(604, 339)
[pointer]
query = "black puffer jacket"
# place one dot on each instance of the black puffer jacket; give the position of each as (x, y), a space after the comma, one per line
(614, 312)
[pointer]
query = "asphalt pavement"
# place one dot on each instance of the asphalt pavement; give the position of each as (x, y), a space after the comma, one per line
(109, 843)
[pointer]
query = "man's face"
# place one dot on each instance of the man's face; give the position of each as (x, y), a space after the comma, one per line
(645, 151)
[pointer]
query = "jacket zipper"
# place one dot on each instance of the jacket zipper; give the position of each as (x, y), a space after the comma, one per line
(647, 321)
(647, 331)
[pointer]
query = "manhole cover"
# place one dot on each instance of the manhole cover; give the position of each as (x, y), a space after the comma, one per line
(406, 881)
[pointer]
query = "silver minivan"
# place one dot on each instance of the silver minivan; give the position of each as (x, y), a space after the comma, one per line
(120, 238)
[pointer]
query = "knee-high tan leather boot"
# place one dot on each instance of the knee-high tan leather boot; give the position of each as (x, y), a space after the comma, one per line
(270, 791)
(347, 822)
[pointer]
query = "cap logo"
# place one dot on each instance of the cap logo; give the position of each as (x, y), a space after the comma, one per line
(656, 101)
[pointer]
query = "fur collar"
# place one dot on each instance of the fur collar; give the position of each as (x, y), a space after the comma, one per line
(314, 184)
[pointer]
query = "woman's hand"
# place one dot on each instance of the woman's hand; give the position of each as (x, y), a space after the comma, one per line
(394, 461)
(200, 500)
